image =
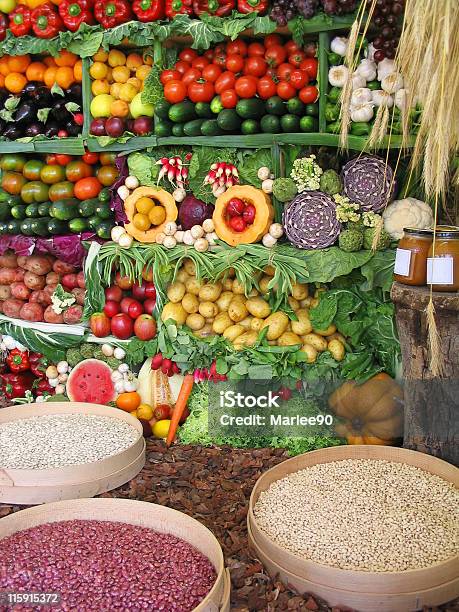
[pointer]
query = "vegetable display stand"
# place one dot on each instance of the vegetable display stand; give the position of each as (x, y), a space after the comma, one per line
(400, 591)
(160, 518)
(430, 403)
(37, 486)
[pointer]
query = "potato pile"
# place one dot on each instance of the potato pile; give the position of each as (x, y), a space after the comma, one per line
(222, 308)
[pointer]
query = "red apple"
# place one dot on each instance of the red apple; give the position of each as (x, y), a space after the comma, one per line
(162, 411)
(111, 308)
(145, 327)
(138, 291)
(122, 326)
(135, 309)
(114, 293)
(100, 324)
(123, 281)
(125, 303)
(149, 305)
(150, 291)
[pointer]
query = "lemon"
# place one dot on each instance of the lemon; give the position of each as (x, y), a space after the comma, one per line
(100, 86)
(127, 92)
(141, 222)
(100, 105)
(115, 90)
(145, 411)
(121, 74)
(161, 428)
(134, 414)
(144, 205)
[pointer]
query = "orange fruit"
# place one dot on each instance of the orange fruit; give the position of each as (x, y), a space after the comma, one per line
(49, 61)
(100, 56)
(78, 71)
(66, 58)
(4, 70)
(50, 76)
(100, 87)
(18, 63)
(15, 82)
(133, 61)
(64, 77)
(2, 80)
(36, 71)
(121, 74)
(119, 108)
(128, 401)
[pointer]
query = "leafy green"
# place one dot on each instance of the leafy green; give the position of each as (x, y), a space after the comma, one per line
(234, 24)
(379, 270)
(250, 162)
(204, 36)
(94, 298)
(153, 90)
(203, 158)
(141, 165)
(85, 42)
(326, 264)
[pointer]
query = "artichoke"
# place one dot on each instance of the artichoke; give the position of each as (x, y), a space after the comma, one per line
(330, 182)
(383, 242)
(284, 189)
(310, 220)
(350, 240)
(368, 181)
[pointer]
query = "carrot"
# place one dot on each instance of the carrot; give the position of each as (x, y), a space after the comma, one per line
(180, 405)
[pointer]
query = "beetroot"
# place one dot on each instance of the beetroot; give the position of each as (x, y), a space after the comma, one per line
(193, 212)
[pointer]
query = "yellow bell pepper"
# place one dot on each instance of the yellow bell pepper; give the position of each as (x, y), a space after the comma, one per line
(32, 4)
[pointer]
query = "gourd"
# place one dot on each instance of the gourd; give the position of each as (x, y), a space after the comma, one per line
(264, 215)
(164, 198)
(372, 412)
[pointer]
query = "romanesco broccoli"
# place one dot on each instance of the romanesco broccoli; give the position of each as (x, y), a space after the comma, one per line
(330, 182)
(383, 242)
(284, 189)
(87, 350)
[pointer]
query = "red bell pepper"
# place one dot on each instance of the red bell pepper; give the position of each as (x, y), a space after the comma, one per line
(38, 364)
(111, 13)
(16, 385)
(252, 6)
(76, 12)
(220, 8)
(178, 7)
(46, 22)
(42, 386)
(149, 10)
(3, 26)
(18, 361)
(20, 20)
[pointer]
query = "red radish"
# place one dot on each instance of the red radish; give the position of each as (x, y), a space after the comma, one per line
(175, 368)
(285, 393)
(135, 309)
(122, 326)
(111, 308)
(69, 281)
(249, 214)
(235, 207)
(237, 224)
(114, 293)
(149, 305)
(80, 280)
(156, 361)
(166, 366)
(145, 327)
(125, 303)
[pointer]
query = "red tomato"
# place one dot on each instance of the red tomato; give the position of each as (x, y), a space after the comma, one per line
(182, 67)
(188, 55)
(200, 63)
(309, 94)
(271, 72)
(63, 159)
(266, 88)
(256, 66)
(169, 75)
(51, 159)
(275, 55)
(256, 48)
(87, 188)
(234, 62)
(229, 98)
(211, 73)
(296, 58)
(90, 158)
(175, 91)
(225, 81)
(193, 74)
(284, 71)
(210, 54)
(299, 78)
(272, 39)
(220, 59)
(246, 86)
(201, 92)
(77, 170)
(285, 90)
(310, 64)
(237, 46)
(291, 47)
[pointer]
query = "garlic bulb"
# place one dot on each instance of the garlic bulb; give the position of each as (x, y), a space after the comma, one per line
(367, 69)
(197, 231)
(400, 99)
(169, 242)
(362, 112)
(386, 67)
(131, 182)
(370, 52)
(360, 96)
(337, 76)
(123, 192)
(382, 98)
(179, 235)
(107, 350)
(208, 225)
(339, 45)
(188, 238)
(119, 353)
(125, 241)
(170, 228)
(269, 241)
(276, 230)
(117, 232)
(358, 81)
(201, 245)
(392, 82)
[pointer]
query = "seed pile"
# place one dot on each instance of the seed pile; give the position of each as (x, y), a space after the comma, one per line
(363, 514)
(57, 440)
(102, 565)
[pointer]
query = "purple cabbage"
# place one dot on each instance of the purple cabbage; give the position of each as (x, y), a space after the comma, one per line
(193, 212)
(310, 220)
(368, 181)
(66, 248)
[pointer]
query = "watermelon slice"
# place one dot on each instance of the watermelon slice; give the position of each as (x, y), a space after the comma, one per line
(91, 381)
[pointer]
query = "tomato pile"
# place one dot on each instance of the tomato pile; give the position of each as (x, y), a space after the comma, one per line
(240, 87)
(56, 194)
(240, 214)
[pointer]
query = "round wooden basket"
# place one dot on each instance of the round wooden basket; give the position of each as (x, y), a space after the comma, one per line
(28, 486)
(366, 591)
(143, 514)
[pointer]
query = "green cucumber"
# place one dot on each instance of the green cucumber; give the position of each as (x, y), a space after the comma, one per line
(203, 110)
(14, 226)
(57, 227)
(210, 127)
(163, 128)
(177, 130)
(87, 208)
(182, 112)
(104, 230)
(250, 126)
(5, 211)
(103, 210)
(250, 109)
(193, 128)
(43, 209)
(295, 107)
(94, 222)
(40, 226)
(275, 106)
(228, 120)
(32, 210)
(162, 109)
(26, 227)
(19, 211)
(270, 124)
(76, 226)
(64, 210)
(290, 123)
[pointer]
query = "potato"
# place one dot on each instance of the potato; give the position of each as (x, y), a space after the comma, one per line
(310, 352)
(313, 303)
(7, 276)
(174, 311)
(331, 329)
(193, 285)
(337, 336)
(231, 272)
(299, 291)
(253, 293)
(319, 343)
(258, 307)
(232, 332)
(50, 316)
(210, 292)
(210, 320)
(263, 284)
(221, 322)
(73, 314)
(8, 260)
(189, 266)
(5, 292)
(22, 260)
(306, 303)
(205, 331)
(61, 267)
(190, 303)
(224, 300)
(175, 292)
(195, 321)
(277, 324)
(336, 349)
(303, 325)
(256, 324)
(20, 291)
(32, 312)
(269, 270)
(237, 311)
(228, 284)
(12, 308)
(53, 278)
(294, 304)
(182, 276)
(34, 281)
(246, 323)
(246, 339)
(208, 309)
(39, 265)
(288, 338)
(237, 287)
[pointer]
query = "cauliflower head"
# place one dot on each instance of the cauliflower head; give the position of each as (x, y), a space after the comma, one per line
(408, 212)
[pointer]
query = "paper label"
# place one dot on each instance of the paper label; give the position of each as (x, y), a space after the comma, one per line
(402, 262)
(440, 271)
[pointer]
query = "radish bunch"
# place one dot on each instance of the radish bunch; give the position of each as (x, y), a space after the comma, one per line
(203, 374)
(167, 366)
(221, 176)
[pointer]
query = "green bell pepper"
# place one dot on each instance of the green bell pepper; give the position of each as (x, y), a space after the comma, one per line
(332, 111)
(334, 94)
(359, 128)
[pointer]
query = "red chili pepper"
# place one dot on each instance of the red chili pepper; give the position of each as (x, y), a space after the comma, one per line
(38, 364)
(43, 386)
(220, 8)
(149, 10)
(252, 6)
(46, 22)
(76, 12)
(178, 7)
(18, 361)
(16, 385)
(111, 13)
(3, 26)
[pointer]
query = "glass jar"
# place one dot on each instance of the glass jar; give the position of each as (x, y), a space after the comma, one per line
(443, 268)
(411, 257)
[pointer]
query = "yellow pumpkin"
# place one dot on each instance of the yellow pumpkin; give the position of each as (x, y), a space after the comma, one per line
(163, 198)
(372, 413)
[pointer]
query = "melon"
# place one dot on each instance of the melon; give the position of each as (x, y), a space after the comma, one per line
(91, 381)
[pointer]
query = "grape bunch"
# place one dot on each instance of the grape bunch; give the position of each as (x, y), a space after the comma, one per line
(284, 10)
(338, 7)
(386, 28)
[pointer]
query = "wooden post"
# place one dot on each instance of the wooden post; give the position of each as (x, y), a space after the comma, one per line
(431, 404)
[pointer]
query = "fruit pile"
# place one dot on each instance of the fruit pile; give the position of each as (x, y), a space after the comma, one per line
(58, 194)
(128, 310)
(40, 96)
(240, 87)
(118, 81)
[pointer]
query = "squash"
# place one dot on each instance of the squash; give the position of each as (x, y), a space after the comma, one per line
(164, 199)
(264, 215)
(372, 413)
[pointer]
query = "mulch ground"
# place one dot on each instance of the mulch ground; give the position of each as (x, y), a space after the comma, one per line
(213, 485)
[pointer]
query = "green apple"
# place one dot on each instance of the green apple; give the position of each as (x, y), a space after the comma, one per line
(139, 108)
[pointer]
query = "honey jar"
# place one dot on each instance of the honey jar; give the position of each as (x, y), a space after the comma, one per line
(443, 260)
(411, 257)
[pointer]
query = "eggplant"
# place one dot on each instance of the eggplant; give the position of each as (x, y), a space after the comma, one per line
(51, 129)
(26, 112)
(75, 92)
(39, 94)
(13, 131)
(59, 112)
(34, 129)
(72, 128)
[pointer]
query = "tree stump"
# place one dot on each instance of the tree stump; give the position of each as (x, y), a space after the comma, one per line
(431, 404)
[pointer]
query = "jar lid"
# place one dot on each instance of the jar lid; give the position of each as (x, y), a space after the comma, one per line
(414, 231)
(447, 231)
